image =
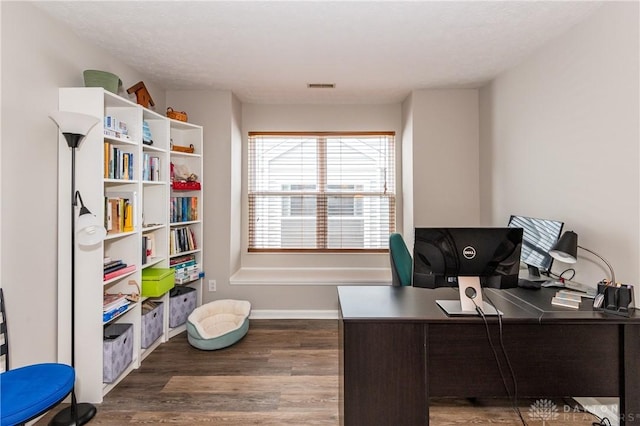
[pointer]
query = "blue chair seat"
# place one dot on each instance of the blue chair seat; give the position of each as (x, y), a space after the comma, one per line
(26, 392)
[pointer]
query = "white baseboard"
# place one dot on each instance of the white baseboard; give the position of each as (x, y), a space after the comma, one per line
(293, 314)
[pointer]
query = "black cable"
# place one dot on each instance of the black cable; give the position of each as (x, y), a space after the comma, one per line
(495, 355)
(514, 399)
(506, 357)
(561, 276)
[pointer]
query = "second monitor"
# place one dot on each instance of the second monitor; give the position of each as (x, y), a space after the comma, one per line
(467, 258)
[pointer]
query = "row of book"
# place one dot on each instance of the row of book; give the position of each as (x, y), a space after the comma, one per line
(115, 268)
(119, 212)
(118, 164)
(150, 168)
(181, 240)
(184, 209)
(113, 305)
(186, 269)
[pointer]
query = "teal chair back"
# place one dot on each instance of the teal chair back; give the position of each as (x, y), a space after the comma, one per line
(401, 261)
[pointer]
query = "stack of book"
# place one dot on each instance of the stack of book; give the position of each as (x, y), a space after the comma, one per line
(567, 299)
(186, 269)
(115, 268)
(113, 305)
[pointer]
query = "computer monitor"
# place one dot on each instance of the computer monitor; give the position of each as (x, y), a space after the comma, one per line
(467, 258)
(539, 236)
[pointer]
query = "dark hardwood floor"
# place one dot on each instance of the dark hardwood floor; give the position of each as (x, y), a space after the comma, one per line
(284, 372)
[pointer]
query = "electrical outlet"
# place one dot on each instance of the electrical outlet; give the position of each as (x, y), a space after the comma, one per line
(212, 285)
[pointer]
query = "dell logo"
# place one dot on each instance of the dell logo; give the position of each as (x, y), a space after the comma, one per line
(469, 252)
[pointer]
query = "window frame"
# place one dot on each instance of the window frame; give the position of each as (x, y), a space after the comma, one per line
(321, 194)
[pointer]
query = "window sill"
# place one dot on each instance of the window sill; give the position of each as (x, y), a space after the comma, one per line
(311, 276)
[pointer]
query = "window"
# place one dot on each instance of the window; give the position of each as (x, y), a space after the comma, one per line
(321, 191)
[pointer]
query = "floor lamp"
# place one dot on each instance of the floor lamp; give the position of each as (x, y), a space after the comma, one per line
(87, 232)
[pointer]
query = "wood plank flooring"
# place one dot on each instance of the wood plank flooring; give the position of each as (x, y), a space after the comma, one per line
(284, 372)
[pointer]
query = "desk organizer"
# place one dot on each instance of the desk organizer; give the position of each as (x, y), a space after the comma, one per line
(618, 300)
(182, 301)
(117, 350)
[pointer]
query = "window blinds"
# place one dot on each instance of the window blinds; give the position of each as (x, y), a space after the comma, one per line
(321, 191)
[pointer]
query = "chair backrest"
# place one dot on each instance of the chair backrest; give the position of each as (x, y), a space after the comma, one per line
(4, 341)
(401, 261)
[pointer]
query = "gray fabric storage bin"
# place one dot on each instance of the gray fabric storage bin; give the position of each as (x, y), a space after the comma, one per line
(152, 325)
(182, 301)
(117, 350)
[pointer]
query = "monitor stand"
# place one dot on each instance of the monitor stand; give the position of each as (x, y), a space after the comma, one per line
(470, 292)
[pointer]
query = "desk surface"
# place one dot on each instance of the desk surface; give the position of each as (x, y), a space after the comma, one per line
(412, 303)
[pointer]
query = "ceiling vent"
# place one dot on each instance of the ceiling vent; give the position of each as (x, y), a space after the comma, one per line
(321, 85)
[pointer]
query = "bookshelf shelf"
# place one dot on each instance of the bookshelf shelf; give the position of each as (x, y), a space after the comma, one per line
(153, 148)
(119, 235)
(118, 278)
(184, 154)
(119, 141)
(190, 222)
(120, 181)
(146, 229)
(110, 167)
(153, 261)
(182, 253)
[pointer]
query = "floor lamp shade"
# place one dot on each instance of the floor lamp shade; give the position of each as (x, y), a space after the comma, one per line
(74, 125)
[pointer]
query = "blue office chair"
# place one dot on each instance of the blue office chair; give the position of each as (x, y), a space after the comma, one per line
(30, 391)
(401, 261)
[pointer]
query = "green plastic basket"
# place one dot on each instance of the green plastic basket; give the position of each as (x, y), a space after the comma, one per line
(107, 80)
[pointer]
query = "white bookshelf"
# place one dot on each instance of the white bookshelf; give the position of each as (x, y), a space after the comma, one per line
(187, 135)
(149, 196)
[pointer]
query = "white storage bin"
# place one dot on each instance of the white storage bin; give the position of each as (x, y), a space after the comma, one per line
(117, 350)
(151, 325)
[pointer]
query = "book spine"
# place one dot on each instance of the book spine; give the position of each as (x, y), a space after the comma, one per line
(107, 150)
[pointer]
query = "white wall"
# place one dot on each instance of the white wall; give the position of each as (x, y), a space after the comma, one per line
(226, 122)
(38, 56)
(560, 137)
(407, 169)
(444, 159)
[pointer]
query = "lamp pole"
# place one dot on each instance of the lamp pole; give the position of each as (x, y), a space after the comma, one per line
(74, 127)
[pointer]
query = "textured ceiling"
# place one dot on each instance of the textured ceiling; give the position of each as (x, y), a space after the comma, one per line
(268, 51)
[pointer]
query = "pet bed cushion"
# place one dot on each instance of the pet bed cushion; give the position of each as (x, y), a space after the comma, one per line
(218, 324)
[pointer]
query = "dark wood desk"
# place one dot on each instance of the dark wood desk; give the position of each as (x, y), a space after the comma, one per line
(398, 349)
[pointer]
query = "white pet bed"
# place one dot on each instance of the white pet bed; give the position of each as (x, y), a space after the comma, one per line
(218, 324)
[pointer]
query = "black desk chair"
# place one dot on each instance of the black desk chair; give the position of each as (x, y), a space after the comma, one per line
(30, 391)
